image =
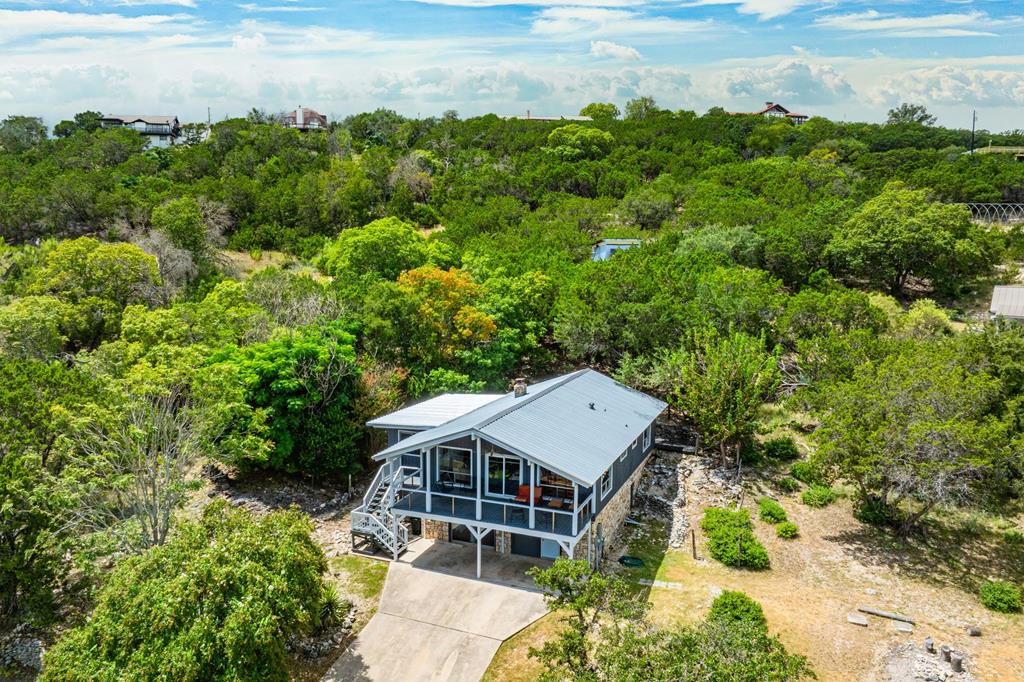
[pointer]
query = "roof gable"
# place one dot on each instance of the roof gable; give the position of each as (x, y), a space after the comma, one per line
(434, 411)
(1008, 301)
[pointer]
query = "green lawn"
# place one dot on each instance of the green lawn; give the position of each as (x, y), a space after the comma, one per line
(360, 575)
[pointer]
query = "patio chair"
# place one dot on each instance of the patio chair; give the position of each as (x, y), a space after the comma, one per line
(524, 495)
(445, 483)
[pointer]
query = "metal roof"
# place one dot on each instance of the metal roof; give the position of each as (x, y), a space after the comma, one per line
(576, 424)
(1008, 301)
(433, 412)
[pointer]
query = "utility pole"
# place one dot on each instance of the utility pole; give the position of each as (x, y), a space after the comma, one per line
(974, 124)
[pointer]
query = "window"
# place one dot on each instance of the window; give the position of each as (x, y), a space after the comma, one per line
(455, 466)
(622, 457)
(504, 474)
(553, 485)
(402, 435)
(606, 483)
(647, 436)
(635, 441)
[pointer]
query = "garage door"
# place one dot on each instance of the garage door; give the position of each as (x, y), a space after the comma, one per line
(525, 545)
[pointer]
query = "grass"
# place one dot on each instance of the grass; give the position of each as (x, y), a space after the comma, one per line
(360, 575)
(512, 662)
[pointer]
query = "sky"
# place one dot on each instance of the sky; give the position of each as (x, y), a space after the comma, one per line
(845, 59)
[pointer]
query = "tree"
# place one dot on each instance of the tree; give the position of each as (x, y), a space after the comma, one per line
(21, 133)
(916, 430)
(181, 221)
(721, 386)
(910, 113)
(574, 142)
(641, 109)
(84, 121)
(647, 207)
(595, 603)
(286, 403)
(383, 249)
(601, 111)
(900, 234)
(217, 601)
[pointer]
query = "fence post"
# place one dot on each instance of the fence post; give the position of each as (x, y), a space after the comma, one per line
(693, 542)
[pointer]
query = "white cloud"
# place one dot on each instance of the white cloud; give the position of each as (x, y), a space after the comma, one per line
(573, 22)
(793, 80)
(606, 49)
(533, 3)
(41, 22)
(950, 25)
(953, 85)
(254, 41)
(764, 9)
(144, 3)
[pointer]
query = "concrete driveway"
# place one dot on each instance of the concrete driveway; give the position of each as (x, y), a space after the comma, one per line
(435, 622)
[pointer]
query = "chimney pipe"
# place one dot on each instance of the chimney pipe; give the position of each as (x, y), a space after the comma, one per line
(519, 388)
(769, 104)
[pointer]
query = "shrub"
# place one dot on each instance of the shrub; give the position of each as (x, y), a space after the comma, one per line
(1000, 596)
(787, 484)
(783, 449)
(771, 511)
(804, 472)
(871, 511)
(787, 530)
(731, 539)
(736, 607)
(818, 496)
(216, 602)
(332, 607)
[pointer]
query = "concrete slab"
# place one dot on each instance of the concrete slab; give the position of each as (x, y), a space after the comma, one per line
(435, 623)
(857, 619)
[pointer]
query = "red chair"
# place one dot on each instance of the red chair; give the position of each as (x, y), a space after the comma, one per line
(524, 495)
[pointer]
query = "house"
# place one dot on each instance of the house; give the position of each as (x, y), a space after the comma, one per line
(161, 131)
(1008, 302)
(546, 470)
(774, 110)
(531, 117)
(304, 118)
(606, 248)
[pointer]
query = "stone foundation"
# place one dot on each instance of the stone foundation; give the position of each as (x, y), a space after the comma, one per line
(613, 516)
(435, 530)
(502, 542)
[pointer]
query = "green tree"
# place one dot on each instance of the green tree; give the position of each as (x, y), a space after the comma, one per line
(85, 121)
(721, 386)
(900, 234)
(910, 113)
(217, 602)
(601, 111)
(181, 221)
(916, 430)
(641, 109)
(574, 142)
(383, 249)
(21, 133)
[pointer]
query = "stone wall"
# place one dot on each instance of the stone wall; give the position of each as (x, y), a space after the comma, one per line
(613, 516)
(435, 530)
(502, 542)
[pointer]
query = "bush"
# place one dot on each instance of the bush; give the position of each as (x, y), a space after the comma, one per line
(782, 449)
(804, 472)
(1000, 596)
(218, 601)
(787, 530)
(818, 496)
(731, 539)
(771, 511)
(736, 607)
(333, 608)
(871, 511)
(787, 484)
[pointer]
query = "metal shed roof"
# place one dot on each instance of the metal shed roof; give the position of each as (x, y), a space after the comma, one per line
(433, 412)
(576, 424)
(1008, 301)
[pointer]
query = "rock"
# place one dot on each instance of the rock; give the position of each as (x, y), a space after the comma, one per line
(974, 631)
(900, 626)
(857, 619)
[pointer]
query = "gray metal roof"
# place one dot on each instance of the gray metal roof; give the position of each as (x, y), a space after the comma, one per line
(433, 412)
(576, 424)
(1008, 301)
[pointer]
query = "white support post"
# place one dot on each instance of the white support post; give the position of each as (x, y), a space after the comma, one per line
(479, 551)
(479, 480)
(575, 511)
(429, 474)
(394, 533)
(532, 478)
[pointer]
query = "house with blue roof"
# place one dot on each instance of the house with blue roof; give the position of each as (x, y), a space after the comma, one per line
(606, 248)
(546, 470)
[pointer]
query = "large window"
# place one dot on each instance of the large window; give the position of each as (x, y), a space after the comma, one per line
(554, 486)
(504, 475)
(647, 437)
(455, 466)
(606, 483)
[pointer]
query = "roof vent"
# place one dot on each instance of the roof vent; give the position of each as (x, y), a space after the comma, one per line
(519, 388)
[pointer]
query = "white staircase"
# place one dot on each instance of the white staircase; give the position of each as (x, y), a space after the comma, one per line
(373, 518)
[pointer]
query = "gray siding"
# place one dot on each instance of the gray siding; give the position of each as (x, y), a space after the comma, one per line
(623, 469)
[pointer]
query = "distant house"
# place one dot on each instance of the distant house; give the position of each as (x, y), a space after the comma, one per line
(606, 248)
(775, 110)
(304, 118)
(547, 470)
(161, 131)
(1008, 302)
(531, 117)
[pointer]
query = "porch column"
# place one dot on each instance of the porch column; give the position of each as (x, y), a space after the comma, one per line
(479, 483)
(479, 551)
(394, 532)
(428, 473)
(575, 501)
(532, 518)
